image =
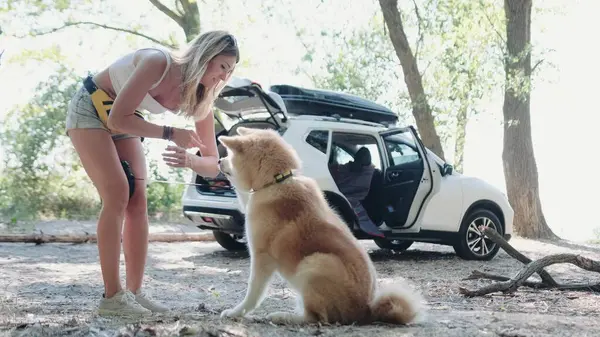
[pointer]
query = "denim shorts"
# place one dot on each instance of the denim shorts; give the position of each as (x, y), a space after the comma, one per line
(81, 114)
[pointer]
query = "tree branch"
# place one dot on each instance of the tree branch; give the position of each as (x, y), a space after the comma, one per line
(536, 65)
(535, 266)
(178, 8)
(79, 23)
(493, 26)
(168, 12)
(185, 4)
(499, 240)
(420, 31)
(477, 275)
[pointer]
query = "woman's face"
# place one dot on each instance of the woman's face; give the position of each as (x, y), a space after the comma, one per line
(219, 69)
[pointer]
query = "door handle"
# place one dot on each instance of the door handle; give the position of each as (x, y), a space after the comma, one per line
(394, 175)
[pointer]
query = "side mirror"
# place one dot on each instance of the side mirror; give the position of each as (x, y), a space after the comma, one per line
(447, 170)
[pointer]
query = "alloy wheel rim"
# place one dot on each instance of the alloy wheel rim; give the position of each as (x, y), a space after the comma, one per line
(479, 243)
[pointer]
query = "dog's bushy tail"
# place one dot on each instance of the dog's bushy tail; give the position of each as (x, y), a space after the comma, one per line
(397, 303)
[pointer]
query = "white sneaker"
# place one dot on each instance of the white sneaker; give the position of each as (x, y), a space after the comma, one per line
(145, 302)
(122, 303)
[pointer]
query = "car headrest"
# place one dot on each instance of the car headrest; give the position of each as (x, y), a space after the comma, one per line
(363, 157)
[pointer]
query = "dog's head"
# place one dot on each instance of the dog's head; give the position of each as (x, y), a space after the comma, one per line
(255, 157)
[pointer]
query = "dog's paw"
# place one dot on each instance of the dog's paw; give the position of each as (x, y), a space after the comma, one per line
(232, 313)
(281, 317)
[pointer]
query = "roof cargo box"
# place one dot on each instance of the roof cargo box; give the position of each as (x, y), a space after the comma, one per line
(302, 101)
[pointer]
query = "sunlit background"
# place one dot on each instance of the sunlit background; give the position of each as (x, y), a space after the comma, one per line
(274, 40)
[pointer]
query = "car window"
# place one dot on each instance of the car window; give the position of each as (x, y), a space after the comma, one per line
(401, 153)
(341, 156)
(346, 144)
(318, 139)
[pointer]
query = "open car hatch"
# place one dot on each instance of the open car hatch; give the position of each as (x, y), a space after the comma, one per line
(242, 97)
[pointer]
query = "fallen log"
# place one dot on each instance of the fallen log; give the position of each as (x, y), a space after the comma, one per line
(509, 285)
(91, 238)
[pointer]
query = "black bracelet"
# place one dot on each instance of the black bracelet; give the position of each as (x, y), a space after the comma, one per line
(167, 132)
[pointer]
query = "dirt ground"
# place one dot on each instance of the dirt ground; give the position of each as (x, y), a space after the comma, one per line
(53, 290)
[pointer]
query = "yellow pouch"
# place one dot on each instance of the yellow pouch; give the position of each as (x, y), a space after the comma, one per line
(103, 103)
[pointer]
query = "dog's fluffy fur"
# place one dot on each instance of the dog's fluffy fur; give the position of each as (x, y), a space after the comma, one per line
(290, 229)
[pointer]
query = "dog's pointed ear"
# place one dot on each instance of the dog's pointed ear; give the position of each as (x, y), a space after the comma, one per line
(242, 131)
(232, 143)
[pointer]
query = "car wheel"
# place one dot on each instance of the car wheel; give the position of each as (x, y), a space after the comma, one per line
(397, 245)
(472, 243)
(231, 242)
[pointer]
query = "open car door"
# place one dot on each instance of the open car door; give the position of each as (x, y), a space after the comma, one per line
(409, 178)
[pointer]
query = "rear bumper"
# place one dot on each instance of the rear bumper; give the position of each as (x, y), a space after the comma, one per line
(213, 212)
(224, 220)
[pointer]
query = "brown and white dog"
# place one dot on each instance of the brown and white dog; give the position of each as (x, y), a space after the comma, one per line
(290, 229)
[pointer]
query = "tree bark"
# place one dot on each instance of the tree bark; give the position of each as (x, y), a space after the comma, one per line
(188, 17)
(520, 169)
(412, 77)
(461, 135)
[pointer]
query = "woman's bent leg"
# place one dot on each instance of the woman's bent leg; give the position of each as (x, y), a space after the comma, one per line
(135, 233)
(100, 160)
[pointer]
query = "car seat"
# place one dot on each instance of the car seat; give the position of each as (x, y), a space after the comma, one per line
(374, 201)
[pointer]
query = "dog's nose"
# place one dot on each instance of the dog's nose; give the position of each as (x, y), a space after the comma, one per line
(219, 161)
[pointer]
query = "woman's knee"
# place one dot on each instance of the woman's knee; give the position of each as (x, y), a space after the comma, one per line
(138, 203)
(115, 196)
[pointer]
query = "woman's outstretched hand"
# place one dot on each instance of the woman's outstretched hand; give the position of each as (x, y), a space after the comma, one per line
(187, 139)
(177, 157)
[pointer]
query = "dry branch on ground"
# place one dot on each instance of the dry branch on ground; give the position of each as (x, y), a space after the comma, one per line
(509, 285)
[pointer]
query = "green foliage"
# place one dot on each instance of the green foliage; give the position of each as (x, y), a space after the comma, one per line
(462, 51)
(458, 48)
(163, 197)
(360, 62)
(41, 177)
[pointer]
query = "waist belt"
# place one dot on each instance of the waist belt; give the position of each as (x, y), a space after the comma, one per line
(102, 102)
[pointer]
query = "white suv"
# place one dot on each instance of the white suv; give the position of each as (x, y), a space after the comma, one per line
(413, 196)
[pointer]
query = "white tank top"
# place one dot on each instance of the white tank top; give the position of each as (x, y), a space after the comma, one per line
(122, 69)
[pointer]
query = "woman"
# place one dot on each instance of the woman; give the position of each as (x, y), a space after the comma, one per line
(157, 81)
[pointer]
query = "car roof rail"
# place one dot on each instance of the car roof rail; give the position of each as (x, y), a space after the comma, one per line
(337, 118)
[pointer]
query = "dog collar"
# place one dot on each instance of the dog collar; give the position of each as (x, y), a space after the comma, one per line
(279, 177)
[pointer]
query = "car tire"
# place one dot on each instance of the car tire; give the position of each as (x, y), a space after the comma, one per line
(229, 242)
(396, 245)
(471, 241)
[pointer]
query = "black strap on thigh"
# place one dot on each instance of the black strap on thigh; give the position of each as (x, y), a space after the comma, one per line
(130, 177)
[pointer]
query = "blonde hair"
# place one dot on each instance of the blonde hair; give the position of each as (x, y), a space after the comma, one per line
(196, 101)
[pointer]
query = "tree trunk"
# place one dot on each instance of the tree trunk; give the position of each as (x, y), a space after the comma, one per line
(461, 135)
(520, 169)
(412, 77)
(186, 15)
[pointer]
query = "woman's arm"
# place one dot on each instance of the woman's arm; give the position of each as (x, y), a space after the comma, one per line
(207, 164)
(148, 71)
